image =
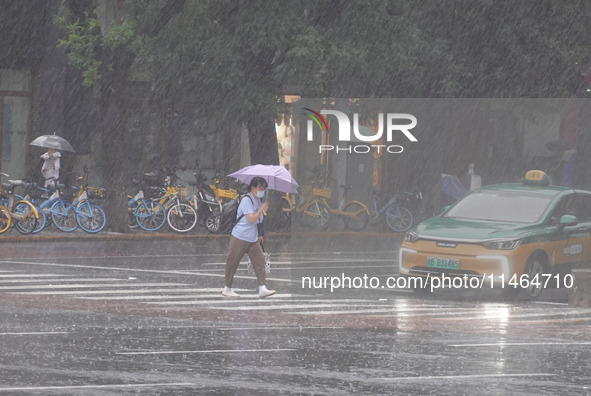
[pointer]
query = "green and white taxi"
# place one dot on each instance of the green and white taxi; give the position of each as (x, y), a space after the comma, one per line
(520, 237)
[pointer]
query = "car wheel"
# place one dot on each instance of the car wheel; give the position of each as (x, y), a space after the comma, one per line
(535, 269)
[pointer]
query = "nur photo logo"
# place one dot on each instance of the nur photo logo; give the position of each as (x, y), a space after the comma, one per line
(395, 124)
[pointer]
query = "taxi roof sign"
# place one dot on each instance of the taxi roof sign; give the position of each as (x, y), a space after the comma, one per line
(536, 177)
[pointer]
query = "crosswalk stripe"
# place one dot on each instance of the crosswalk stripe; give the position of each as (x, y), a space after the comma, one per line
(31, 276)
(185, 295)
(32, 280)
(80, 285)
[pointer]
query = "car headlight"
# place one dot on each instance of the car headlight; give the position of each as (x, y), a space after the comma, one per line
(411, 236)
(502, 244)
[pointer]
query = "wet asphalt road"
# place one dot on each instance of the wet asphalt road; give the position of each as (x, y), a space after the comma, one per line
(116, 316)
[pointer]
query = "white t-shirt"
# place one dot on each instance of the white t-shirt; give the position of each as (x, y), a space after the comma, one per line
(50, 168)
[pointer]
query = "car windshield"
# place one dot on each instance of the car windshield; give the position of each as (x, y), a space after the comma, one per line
(502, 206)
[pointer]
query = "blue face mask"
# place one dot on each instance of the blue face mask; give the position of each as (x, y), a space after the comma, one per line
(260, 194)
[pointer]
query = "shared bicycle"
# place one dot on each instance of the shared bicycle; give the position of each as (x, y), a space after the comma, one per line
(313, 209)
(21, 212)
(397, 217)
(147, 214)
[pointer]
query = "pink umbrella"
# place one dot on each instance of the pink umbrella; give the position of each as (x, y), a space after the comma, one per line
(277, 177)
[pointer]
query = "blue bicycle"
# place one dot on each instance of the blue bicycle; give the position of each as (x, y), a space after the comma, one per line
(149, 215)
(61, 212)
(397, 217)
(89, 216)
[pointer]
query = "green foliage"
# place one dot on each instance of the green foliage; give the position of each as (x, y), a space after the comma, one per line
(86, 47)
(231, 57)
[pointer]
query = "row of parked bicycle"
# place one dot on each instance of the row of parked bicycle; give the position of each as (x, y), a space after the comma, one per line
(313, 207)
(38, 207)
(161, 199)
(157, 202)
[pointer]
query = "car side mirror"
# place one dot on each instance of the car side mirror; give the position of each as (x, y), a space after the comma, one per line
(567, 221)
(444, 209)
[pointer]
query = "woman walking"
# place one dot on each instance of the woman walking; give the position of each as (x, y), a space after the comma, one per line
(245, 238)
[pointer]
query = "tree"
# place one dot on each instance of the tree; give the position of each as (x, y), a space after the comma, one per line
(105, 56)
(234, 60)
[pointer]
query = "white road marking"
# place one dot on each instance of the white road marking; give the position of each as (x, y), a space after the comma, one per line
(82, 286)
(31, 276)
(217, 295)
(504, 344)
(135, 270)
(205, 351)
(37, 333)
(72, 387)
(32, 280)
(277, 307)
(465, 377)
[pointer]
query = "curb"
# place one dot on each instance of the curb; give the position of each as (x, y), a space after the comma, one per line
(111, 236)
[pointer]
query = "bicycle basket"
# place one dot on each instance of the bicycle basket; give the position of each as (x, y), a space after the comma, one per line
(229, 193)
(181, 191)
(96, 192)
(323, 192)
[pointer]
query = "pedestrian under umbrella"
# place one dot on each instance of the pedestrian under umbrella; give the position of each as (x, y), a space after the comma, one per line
(51, 165)
(246, 239)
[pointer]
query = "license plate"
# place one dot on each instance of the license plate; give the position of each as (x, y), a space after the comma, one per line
(443, 263)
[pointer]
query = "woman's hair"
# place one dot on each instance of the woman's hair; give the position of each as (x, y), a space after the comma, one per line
(257, 182)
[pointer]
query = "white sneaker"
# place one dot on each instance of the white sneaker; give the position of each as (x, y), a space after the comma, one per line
(229, 293)
(266, 293)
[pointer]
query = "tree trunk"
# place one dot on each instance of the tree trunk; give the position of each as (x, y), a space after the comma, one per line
(263, 150)
(116, 144)
(262, 140)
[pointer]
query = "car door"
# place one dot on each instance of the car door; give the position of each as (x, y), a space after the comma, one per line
(571, 244)
(582, 232)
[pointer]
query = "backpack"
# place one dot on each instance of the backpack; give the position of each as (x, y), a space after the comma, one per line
(230, 214)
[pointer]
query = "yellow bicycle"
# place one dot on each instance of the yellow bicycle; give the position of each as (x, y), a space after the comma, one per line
(313, 209)
(23, 212)
(5, 219)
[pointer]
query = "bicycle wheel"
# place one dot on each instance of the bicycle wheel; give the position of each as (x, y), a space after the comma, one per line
(63, 215)
(181, 217)
(398, 218)
(41, 221)
(150, 215)
(355, 217)
(28, 220)
(5, 219)
(90, 217)
(213, 222)
(317, 215)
